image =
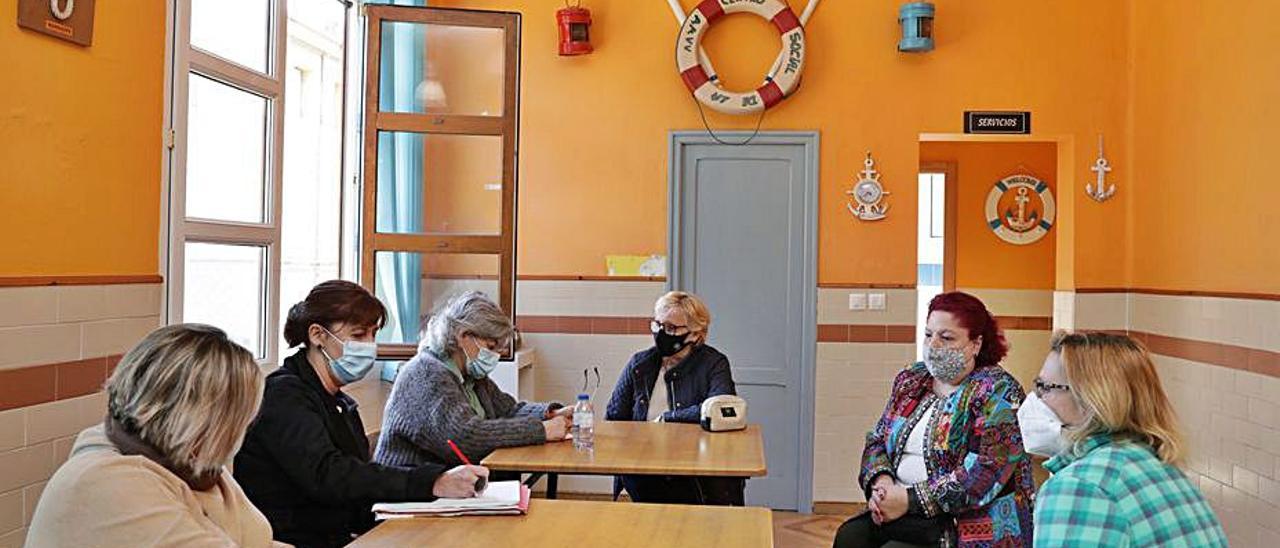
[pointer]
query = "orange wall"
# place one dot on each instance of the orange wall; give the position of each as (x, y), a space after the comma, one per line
(982, 259)
(594, 128)
(1206, 105)
(79, 175)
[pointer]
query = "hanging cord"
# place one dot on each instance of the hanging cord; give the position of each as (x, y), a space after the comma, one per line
(702, 113)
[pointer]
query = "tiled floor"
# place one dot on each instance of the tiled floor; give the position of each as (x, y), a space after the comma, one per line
(792, 530)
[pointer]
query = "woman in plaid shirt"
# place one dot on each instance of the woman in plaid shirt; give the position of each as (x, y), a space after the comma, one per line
(1100, 412)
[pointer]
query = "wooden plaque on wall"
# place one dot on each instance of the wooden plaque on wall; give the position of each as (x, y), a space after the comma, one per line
(70, 20)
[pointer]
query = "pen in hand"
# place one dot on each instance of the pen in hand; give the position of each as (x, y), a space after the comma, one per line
(481, 483)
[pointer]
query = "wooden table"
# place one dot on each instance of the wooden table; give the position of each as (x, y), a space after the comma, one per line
(570, 523)
(642, 448)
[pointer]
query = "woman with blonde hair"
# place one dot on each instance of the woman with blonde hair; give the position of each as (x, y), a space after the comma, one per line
(152, 474)
(1102, 416)
(668, 382)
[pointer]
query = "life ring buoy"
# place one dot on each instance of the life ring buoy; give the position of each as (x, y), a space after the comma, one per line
(1026, 225)
(776, 86)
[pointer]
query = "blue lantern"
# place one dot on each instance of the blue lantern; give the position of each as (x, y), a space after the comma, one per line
(916, 19)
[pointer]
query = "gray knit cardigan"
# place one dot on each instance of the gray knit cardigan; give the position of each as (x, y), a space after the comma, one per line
(427, 408)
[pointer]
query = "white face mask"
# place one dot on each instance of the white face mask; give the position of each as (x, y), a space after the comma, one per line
(1041, 429)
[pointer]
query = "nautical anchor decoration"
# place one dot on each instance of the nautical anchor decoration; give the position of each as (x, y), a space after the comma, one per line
(1101, 167)
(868, 192)
(1021, 222)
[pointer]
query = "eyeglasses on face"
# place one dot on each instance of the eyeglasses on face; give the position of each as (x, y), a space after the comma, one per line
(668, 328)
(1043, 388)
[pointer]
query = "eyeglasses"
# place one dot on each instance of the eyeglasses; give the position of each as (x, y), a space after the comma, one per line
(670, 329)
(1043, 388)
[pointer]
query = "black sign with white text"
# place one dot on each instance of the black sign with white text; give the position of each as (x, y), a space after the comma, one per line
(976, 121)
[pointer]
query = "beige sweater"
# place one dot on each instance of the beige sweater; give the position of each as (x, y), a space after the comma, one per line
(102, 498)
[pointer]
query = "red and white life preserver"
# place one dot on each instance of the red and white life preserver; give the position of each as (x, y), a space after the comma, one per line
(776, 86)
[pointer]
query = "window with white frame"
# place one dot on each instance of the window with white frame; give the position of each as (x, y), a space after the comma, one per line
(256, 91)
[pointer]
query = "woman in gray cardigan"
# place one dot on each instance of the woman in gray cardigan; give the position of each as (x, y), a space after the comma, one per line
(444, 393)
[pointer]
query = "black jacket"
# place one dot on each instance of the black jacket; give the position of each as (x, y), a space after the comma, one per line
(305, 462)
(702, 374)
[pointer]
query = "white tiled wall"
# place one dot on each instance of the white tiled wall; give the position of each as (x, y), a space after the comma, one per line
(1229, 418)
(1251, 323)
(853, 382)
(43, 325)
(43, 435)
(833, 307)
(1014, 302)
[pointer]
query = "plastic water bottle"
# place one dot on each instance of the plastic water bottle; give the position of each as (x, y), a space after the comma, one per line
(584, 420)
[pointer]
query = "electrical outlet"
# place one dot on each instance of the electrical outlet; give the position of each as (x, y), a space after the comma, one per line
(857, 301)
(875, 301)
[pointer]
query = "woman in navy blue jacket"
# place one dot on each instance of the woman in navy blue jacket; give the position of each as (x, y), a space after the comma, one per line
(690, 371)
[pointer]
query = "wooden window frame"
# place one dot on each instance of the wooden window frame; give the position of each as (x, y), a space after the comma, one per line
(185, 59)
(949, 172)
(506, 126)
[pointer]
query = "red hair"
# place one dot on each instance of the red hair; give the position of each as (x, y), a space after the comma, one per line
(973, 315)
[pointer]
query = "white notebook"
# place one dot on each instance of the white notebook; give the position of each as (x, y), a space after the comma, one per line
(501, 497)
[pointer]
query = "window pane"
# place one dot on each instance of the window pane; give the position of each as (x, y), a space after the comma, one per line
(223, 286)
(236, 30)
(412, 285)
(435, 183)
(226, 152)
(440, 69)
(311, 213)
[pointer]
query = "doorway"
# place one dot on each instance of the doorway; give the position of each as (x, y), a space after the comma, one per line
(743, 236)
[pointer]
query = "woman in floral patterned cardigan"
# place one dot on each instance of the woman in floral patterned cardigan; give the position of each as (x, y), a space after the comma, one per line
(944, 465)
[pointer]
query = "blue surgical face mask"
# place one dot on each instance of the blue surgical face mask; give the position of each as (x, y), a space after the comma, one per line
(355, 362)
(483, 364)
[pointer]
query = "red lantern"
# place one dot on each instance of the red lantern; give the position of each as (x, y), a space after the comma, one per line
(574, 24)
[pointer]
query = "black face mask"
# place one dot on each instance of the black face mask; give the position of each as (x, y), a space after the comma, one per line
(668, 345)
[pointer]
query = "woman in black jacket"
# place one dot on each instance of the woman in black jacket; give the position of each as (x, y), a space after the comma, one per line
(305, 460)
(667, 383)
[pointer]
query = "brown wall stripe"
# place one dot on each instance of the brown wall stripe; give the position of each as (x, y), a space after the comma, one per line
(634, 325)
(842, 333)
(38, 281)
(546, 278)
(584, 325)
(1029, 323)
(1262, 362)
(572, 278)
(838, 285)
(1182, 293)
(53, 382)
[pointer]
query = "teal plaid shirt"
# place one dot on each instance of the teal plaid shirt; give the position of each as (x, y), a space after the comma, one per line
(1120, 494)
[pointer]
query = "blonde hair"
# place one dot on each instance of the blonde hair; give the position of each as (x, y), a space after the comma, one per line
(1114, 381)
(695, 311)
(190, 392)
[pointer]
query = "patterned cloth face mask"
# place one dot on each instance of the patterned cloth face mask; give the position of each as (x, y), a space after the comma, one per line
(945, 364)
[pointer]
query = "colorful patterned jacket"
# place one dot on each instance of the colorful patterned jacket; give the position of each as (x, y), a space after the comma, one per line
(979, 474)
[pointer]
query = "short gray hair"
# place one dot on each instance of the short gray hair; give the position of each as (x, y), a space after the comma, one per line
(471, 312)
(190, 392)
